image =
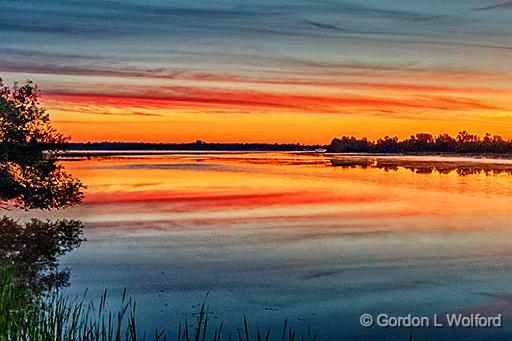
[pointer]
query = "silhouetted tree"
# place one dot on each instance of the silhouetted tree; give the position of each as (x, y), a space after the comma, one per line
(30, 176)
(33, 249)
(445, 144)
(350, 144)
(387, 145)
(424, 143)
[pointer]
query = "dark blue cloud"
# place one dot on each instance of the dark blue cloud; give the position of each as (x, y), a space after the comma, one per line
(242, 35)
(499, 5)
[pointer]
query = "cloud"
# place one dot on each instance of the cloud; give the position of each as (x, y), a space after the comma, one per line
(367, 57)
(327, 26)
(196, 99)
(505, 4)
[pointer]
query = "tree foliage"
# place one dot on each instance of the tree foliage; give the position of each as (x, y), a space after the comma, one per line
(463, 143)
(30, 175)
(33, 249)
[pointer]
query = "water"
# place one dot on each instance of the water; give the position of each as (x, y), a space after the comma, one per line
(317, 239)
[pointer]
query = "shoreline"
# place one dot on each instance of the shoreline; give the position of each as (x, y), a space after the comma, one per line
(101, 152)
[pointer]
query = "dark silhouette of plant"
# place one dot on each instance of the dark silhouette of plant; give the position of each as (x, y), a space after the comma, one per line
(464, 143)
(30, 176)
(33, 249)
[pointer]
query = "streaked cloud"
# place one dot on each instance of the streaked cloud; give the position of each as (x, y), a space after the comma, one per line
(499, 5)
(352, 60)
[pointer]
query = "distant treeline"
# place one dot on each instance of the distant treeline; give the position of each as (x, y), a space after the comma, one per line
(463, 143)
(198, 145)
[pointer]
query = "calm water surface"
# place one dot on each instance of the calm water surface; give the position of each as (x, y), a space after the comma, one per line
(317, 239)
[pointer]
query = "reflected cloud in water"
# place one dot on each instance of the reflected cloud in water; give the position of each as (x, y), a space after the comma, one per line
(316, 238)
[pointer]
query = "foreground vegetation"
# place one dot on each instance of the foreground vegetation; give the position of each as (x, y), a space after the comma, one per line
(53, 317)
(463, 143)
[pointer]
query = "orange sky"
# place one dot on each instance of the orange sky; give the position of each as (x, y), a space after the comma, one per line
(221, 109)
(275, 72)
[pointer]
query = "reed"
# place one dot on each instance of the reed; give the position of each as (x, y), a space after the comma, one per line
(24, 316)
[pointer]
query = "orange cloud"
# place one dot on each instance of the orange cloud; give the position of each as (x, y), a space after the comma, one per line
(311, 104)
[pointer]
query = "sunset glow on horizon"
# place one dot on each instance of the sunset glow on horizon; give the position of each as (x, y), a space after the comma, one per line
(240, 71)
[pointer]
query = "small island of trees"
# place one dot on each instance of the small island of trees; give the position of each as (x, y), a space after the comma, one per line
(463, 143)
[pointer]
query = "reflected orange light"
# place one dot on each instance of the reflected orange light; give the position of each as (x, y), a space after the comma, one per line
(213, 190)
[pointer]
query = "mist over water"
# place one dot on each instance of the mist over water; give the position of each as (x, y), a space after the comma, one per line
(314, 238)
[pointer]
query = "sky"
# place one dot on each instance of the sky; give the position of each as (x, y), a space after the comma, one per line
(263, 71)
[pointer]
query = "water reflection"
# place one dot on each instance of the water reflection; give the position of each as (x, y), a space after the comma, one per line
(276, 235)
(425, 165)
(33, 250)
